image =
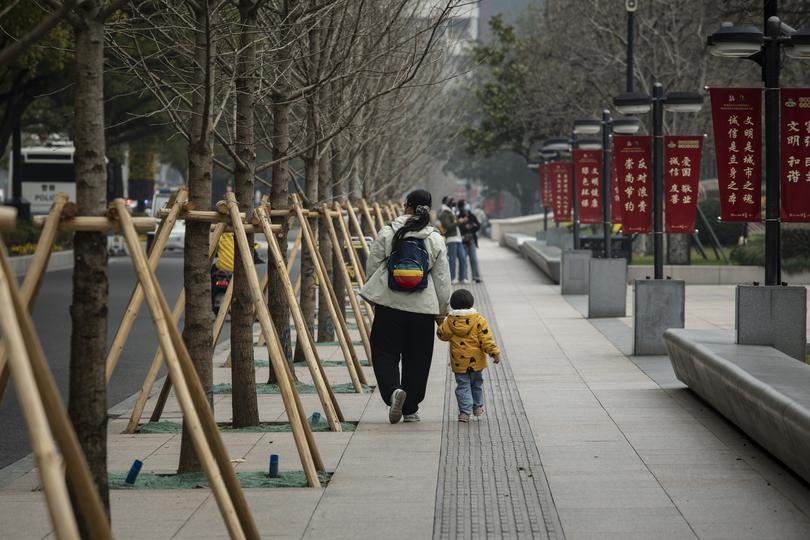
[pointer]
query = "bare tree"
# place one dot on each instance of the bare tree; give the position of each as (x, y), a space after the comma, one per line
(245, 405)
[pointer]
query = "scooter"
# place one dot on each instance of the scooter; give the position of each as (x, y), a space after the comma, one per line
(220, 279)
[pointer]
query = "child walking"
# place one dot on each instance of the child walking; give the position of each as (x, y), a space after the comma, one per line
(471, 342)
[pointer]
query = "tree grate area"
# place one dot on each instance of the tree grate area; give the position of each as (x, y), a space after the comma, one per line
(491, 480)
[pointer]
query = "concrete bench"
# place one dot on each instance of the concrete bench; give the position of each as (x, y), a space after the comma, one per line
(545, 257)
(523, 224)
(760, 389)
(514, 240)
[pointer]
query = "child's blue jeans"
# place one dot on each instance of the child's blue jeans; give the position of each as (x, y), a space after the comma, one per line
(469, 390)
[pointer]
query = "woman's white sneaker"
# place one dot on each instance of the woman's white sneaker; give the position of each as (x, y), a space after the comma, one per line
(397, 401)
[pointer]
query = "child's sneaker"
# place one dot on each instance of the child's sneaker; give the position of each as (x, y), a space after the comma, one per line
(411, 418)
(397, 401)
(478, 411)
(463, 417)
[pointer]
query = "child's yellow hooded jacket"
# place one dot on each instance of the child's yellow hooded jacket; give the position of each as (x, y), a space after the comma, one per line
(470, 340)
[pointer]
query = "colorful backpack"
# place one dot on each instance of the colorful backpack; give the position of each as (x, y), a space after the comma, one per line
(409, 266)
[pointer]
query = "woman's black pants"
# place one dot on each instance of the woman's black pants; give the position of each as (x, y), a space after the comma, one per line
(407, 337)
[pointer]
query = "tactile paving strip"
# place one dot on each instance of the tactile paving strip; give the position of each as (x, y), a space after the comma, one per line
(491, 480)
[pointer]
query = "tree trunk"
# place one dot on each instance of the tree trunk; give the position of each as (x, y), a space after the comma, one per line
(279, 199)
(307, 298)
(679, 249)
(339, 189)
(87, 400)
(245, 406)
(197, 330)
(326, 329)
(311, 166)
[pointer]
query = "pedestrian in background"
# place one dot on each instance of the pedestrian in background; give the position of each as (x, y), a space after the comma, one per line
(469, 225)
(448, 222)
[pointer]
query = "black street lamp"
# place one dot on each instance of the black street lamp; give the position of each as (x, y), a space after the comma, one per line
(749, 42)
(658, 102)
(559, 146)
(543, 157)
(593, 126)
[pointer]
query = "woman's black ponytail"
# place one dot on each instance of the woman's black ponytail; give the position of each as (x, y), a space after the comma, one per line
(420, 202)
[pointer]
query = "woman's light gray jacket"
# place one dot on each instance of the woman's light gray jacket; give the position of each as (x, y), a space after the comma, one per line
(433, 300)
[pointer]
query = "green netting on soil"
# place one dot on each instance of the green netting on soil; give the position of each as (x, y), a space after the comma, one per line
(326, 363)
(341, 363)
(286, 479)
(335, 343)
(264, 388)
(265, 427)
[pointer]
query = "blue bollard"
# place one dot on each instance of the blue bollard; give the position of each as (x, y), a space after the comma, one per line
(315, 419)
(132, 475)
(273, 466)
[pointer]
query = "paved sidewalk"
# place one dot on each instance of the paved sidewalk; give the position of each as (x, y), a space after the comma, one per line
(625, 457)
(579, 441)
(491, 479)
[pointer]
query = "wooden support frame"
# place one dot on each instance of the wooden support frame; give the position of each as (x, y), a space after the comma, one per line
(359, 270)
(197, 413)
(97, 224)
(291, 256)
(33, 277)
(179, 198)
(358, 313)
(157, 360)
(48, 423)
(360, 273)
(341, 330)
(316, 370)
(372, 225)
(379, 214)
(388, 212)
(302, 434)
(358, 230)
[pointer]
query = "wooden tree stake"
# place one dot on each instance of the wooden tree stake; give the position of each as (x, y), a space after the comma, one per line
(349, 355)
(297, 420)
(88, 499)
(136, 300)
(307, 346)
(372, 228)
(183, 381)
(358, 314)
(33, 277)
(157, 361)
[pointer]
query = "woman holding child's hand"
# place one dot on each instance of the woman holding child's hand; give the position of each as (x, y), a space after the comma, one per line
(409, 283)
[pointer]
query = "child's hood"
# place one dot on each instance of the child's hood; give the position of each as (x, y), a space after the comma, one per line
(462, 321)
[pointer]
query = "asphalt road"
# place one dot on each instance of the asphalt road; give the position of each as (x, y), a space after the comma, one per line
(52, 319)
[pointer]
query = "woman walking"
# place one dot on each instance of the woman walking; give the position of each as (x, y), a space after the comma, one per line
(409, 283)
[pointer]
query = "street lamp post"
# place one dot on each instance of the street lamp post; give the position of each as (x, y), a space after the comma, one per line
(658, 180)
(658, 103)
(553, 149)
(607, 185)
(749, 42)
(628, 126)
(574, 205)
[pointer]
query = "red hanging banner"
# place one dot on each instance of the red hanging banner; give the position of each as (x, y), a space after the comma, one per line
(560, 173)
(681, 176)
(588, 171)
(545, 186)
(616, 199)
(634, 179)
(737, 122)
(795, 154)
